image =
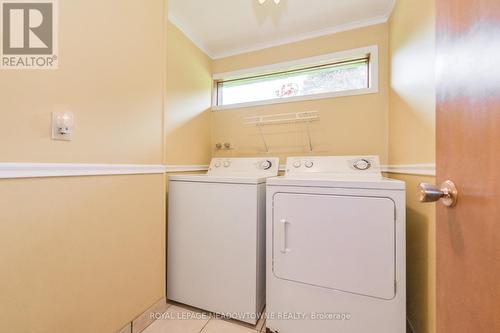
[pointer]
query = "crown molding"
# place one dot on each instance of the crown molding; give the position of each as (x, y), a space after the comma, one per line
(390, 9)
(302, 37)
(299, 37)
(176, 22)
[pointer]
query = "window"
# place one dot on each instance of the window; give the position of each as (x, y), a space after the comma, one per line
(319, 77)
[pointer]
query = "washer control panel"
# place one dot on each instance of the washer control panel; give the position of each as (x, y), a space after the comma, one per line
(334, 165)
(242, 166)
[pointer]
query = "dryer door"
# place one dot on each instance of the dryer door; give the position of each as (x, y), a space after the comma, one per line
(344, 243)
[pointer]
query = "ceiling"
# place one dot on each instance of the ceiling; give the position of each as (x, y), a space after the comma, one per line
(227, 27)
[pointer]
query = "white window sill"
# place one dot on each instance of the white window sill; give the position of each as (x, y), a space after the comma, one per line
(296, 99)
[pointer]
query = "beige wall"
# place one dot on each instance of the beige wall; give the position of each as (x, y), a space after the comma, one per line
(412, 140)
(80, 254)
(111, 82)
(349, 125)
(86, 254)
(412, 94)
(188, 102)
(189, 89)
(420, 256)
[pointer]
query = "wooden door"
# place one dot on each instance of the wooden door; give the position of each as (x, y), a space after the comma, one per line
(468, 153)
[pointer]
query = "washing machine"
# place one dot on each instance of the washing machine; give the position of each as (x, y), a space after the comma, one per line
(216, 237)
(335, 248)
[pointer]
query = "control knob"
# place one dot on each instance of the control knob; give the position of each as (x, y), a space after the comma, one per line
(362, 164)
(266, 165)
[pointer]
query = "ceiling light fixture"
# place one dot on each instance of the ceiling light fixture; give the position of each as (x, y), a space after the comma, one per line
(275, 1)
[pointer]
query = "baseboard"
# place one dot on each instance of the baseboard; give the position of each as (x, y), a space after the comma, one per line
(409, 326)
(141, 322)
(126, 329)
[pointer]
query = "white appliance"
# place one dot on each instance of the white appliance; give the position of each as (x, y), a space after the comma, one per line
(335, 248)
(216, 237)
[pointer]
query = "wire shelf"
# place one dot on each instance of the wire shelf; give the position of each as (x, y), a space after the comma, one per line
(281, 119)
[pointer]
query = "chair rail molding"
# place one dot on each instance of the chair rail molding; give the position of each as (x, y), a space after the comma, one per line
(423, 169)
(39, 170)
(172, 168)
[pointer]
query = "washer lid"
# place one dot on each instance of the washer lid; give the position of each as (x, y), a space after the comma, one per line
(204, 178)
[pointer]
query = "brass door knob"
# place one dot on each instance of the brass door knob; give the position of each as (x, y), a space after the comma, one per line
(447, 193)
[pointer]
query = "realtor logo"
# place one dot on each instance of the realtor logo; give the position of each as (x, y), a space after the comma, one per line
(29, 34)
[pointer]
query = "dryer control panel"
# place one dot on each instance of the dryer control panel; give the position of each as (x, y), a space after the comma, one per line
(244, 166)
(341, 166)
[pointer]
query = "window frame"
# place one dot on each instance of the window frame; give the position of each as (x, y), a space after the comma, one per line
(371, 52)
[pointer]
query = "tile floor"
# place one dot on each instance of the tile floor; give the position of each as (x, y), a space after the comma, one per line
(183, 319)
